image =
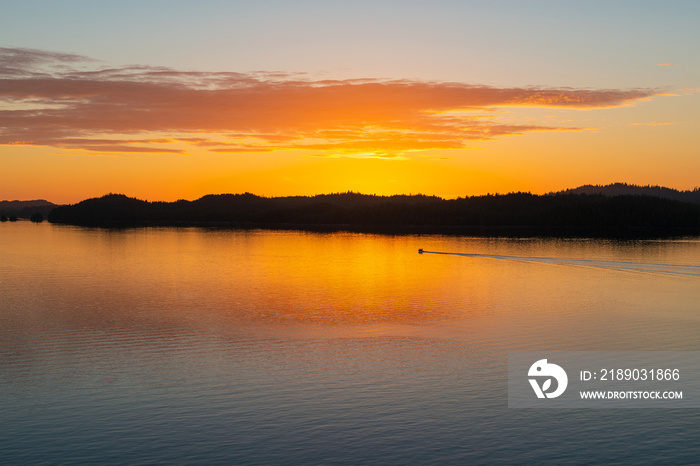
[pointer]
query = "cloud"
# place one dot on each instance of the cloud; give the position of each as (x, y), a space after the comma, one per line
(46, 99)
(29, 62)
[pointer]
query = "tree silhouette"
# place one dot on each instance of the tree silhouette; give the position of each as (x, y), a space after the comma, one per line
(569, 214)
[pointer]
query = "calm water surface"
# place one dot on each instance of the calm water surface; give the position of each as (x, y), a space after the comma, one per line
(182, 346)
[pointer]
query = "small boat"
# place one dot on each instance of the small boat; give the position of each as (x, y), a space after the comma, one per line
(420, 251)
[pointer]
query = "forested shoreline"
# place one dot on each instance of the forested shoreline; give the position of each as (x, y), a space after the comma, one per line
(568, 214)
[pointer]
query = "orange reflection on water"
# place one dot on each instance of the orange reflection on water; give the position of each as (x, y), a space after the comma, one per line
(168, 281)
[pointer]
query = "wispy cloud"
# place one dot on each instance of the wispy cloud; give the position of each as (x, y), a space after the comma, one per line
(33, 63)
(65, 101)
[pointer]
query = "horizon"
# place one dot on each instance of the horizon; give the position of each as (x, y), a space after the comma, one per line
(608, 185)
(392, 99)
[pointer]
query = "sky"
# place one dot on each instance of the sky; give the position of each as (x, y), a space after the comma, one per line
(167, 100)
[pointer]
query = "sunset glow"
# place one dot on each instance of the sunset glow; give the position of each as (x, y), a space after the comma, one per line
(349, 232)
(73, 126)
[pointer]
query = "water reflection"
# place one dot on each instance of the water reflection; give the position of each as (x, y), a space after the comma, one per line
(265, 281)
(155, 344)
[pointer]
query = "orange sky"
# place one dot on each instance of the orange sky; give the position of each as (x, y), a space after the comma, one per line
(72, 126)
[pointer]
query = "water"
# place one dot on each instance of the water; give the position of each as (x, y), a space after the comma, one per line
(182, 346)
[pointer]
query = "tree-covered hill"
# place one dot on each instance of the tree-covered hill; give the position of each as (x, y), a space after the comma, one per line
(516, 211)
(623, 189)
(25, 209)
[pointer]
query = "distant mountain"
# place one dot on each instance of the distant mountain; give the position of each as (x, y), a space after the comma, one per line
(624, 189)
(26, 209)
(564, 214)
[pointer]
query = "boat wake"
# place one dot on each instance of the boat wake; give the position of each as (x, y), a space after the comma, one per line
(645, 267)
